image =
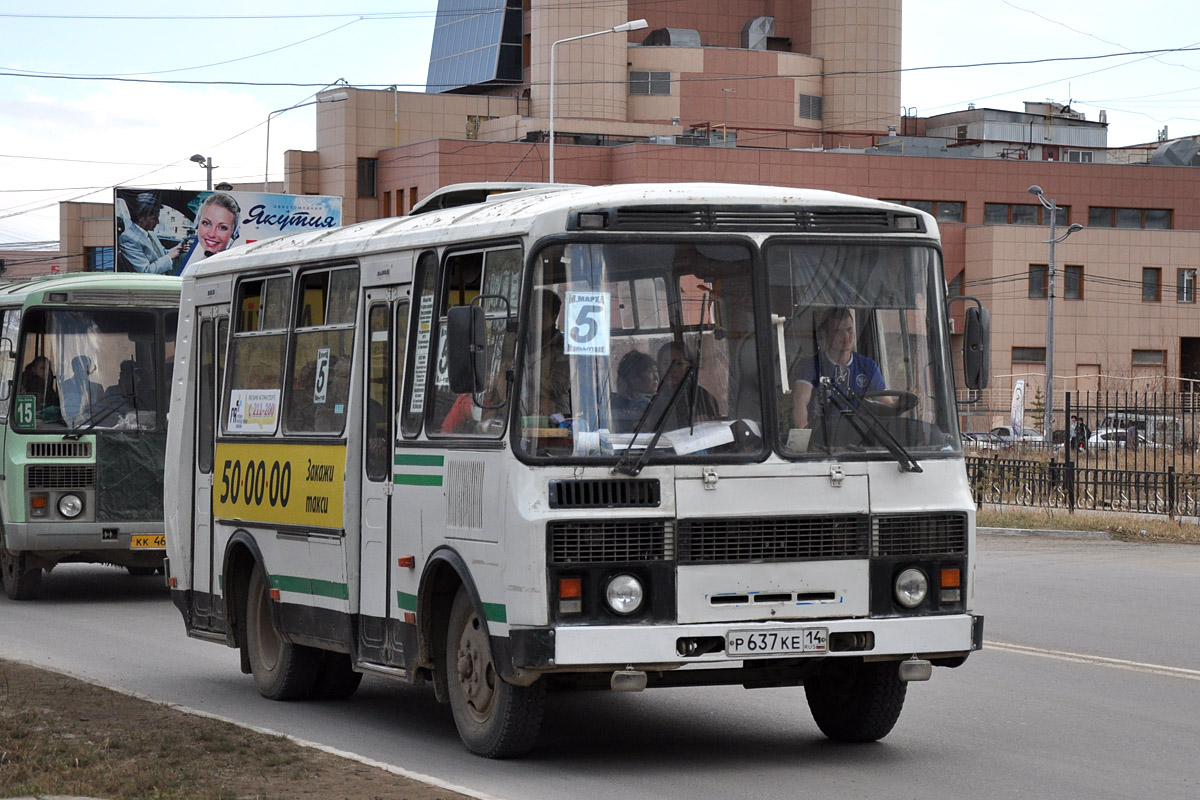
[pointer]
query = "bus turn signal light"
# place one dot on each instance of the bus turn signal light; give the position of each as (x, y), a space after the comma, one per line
(951, 578)
(570, 595)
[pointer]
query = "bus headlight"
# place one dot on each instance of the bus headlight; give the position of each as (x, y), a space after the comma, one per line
(624, 594)
(70, 505)
(911, 587)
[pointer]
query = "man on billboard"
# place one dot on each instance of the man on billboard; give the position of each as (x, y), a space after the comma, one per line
(140, 245)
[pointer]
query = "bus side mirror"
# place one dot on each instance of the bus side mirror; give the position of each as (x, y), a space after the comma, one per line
(976, 352)
(465, 342)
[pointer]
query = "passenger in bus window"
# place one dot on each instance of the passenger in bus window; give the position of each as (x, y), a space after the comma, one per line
(37, 379)
(79, 392)
(850, 372)
(637, 380)
(549, 365)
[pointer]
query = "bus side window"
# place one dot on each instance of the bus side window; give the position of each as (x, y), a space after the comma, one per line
(256, 357)
(205, 398)
(9, 329)
(421, 335)
(378, 394)
(322, 351)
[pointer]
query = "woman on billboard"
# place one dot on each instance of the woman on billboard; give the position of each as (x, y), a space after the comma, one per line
(216, 228)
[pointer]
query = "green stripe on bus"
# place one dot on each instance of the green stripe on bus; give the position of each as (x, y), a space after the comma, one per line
(291, 583)
(417, 480)
(494, 612)
(409, 460)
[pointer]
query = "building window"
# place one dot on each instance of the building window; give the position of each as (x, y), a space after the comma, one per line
(1149, 358)
(1032, 355)
(1073, 282)
(1151, 285)
(1185, 284)
(1078, 156)
(99, 259)
(942, 210)
(366, 176)
(1022, 214)
(1107, 217)
(1037, 281)
(647, 82)
(809, 107)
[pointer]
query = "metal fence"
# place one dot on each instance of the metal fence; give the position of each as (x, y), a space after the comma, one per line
(1138, 455)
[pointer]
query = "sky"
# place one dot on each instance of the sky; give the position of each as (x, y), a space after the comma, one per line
(94, 96)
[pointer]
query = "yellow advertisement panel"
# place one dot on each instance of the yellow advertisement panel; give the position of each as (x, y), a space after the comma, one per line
(285, 484)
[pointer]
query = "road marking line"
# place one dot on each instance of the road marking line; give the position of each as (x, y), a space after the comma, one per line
(1100, 661)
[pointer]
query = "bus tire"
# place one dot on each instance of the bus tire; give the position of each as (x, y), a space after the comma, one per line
(20, 583)
(336, 678)
(282, 670)
(494, 719)
(860, 702)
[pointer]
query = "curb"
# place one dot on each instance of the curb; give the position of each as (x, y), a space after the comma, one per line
(1053, 534)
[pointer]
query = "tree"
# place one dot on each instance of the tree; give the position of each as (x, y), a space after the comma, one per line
(1037, 409)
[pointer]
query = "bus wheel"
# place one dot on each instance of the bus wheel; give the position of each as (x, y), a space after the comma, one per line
(336, 679)
(282, 670)
(494, 719)
(20, 583)
(859, 703)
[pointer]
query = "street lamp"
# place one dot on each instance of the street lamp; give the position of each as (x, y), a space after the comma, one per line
(336, 97)
(205, 163)
(633, 25)
(1052, 207)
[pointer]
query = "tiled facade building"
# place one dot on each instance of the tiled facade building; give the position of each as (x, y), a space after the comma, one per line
(800, 93)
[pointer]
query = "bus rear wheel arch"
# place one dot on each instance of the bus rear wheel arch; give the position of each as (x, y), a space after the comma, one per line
(282, 670)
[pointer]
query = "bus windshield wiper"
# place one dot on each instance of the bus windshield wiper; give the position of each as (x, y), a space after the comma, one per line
(98, 412)
(623, 468)
(873, 430)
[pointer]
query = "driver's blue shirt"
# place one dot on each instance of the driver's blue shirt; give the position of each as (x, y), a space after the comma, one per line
(862, 375)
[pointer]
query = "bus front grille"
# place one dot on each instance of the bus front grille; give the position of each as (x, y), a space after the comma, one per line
(60, 476)
(742, 539)
(59, 450)
(606, 493)
(611, 541)
(920, 535)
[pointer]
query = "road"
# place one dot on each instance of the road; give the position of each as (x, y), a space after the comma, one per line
(1089, 687)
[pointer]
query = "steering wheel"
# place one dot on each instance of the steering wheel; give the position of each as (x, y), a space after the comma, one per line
(889, 402)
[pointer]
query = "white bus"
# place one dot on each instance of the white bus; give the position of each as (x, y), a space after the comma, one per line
(559, 438)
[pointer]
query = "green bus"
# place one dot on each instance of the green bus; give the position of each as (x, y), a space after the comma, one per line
(85, 366)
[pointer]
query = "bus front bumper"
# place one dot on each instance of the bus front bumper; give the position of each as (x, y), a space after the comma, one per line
(945, 637)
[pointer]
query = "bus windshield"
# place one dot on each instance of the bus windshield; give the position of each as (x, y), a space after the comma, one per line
(86, 369)
(651, 350)
(862, 365)
(636, 346)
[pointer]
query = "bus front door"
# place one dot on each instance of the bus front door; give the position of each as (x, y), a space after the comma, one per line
(214, 329)
(386, 321)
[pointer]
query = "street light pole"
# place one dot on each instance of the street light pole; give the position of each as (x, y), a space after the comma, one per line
(1052, 207)
(336, 97)
(633, 25)
(206, 163)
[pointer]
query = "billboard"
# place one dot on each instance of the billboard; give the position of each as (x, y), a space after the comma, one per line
(169, 231)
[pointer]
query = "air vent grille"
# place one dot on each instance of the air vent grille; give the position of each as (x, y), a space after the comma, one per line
(612, 541)
(921, 535)
(59, 450)
(776, 219)
(743, 539)
(605, 494)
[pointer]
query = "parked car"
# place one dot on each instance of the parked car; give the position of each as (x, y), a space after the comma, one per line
(1027, 435)
(985, 440)
(1114, 438)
